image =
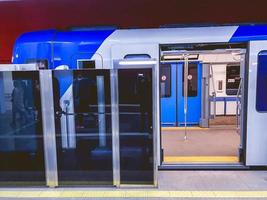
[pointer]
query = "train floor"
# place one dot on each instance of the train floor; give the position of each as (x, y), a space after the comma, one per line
(217, 144)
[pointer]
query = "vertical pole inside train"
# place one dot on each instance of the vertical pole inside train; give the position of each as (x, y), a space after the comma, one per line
(185, 94)
(101, 111)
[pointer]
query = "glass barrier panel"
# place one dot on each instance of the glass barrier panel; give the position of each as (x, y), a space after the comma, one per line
(21, 134)
(136, 131)
(83, 126)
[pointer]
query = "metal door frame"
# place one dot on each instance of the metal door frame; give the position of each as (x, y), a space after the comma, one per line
(151, 64)
(48, 123)
(49, 130)
(53, 180)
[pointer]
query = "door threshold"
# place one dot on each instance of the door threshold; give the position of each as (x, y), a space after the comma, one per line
(206, 166)
(200, 159)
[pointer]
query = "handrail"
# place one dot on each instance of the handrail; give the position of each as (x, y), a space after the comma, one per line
(95, 113)
(213, 93)
(239, 88)
(185, 93)
(238, 106)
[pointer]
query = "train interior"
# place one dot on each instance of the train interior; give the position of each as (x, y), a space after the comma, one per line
(201, 120)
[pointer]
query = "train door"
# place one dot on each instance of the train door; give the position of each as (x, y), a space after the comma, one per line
(215, 140)
(194, 76)
(256, 148)
(172, 93)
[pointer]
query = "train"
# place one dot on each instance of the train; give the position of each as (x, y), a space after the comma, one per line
(201, 72)
(77, 49)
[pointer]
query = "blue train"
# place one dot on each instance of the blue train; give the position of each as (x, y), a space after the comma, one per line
(89, 48)
(215, 70)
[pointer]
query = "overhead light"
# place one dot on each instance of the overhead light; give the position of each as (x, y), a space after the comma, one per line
(180, 56)
(137, 62)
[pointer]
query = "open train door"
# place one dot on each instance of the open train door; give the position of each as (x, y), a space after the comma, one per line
(256, 150)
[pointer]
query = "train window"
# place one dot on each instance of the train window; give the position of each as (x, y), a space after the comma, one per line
(41, 63)
(220, 85)
(137, 56)
(232, 79)
(192, 80)
(261, 95)
(165, 80)
(85, 64)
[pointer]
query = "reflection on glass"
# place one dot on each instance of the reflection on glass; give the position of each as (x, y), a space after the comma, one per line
(232, 79)
(83, 127)
(136, 133)
(191, 79)
(165, 80)
(21, 137)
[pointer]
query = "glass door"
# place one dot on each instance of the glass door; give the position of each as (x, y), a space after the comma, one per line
(136, 130)
(136, 115)
(82, 107)
(21, 133)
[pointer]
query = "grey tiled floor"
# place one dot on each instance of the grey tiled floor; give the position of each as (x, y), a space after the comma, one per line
(213, 180)
(192, 180)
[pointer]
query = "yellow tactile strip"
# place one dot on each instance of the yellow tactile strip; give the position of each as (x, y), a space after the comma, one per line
(132, 194)
(200, 159)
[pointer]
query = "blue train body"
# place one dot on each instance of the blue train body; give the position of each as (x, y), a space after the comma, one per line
(57, 48)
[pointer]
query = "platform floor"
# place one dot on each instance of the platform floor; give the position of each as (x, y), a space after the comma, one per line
(215, 144)
(190, 184)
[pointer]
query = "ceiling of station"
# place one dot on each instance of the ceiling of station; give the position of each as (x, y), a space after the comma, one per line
(18, 16)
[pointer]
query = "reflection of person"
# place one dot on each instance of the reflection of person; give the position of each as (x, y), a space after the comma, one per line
(18, 99)
(56, 97)
(77, 100)
(144, 97)
(84, 90)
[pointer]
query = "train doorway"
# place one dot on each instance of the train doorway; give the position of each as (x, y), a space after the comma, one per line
(208, 107)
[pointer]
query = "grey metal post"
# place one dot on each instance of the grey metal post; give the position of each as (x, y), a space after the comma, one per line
(47, 104)
(185, 94)
(101, 111)
(242, 101)
(213, 93)
(205, 106)
(115, 126)
(156, 121)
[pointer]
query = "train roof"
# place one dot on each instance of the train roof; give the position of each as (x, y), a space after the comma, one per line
(242, 33)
